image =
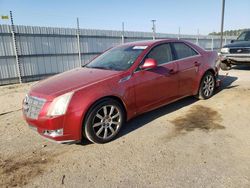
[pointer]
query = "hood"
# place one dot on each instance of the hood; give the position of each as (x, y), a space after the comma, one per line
(69, 81)
(240, 44)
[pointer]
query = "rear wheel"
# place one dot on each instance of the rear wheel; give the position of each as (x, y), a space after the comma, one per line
(207, 86)
(104, 121)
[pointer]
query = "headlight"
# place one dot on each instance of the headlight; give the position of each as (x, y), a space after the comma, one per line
(59, 105)
(224, 50)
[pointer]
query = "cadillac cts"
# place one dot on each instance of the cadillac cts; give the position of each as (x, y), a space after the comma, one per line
(96, 100)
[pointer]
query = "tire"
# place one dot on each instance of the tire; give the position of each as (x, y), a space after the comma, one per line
(207, 86)
(225, 66)
(103, 121)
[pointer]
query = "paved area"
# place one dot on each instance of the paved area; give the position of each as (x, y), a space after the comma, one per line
(189, 143)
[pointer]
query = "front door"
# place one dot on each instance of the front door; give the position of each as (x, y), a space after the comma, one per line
(156, 87)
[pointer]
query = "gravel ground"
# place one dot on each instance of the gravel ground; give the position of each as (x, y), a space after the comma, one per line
(189, 143)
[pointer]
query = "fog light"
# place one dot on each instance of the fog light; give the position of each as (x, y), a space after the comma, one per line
(53, 133)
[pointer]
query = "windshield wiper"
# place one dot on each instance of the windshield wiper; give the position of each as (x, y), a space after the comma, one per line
(98, 67)
(104, 68)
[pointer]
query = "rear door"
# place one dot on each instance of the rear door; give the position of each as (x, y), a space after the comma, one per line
(188, 61)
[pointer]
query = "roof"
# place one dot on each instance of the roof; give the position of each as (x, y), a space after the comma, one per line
(150, 42)
(145, 42)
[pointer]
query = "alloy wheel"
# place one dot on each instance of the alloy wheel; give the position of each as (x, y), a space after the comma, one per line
(208, 85)
(106, 122)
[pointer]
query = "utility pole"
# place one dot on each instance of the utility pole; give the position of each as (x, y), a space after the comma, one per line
(225, 38)
(78, 43)
(13, 32)
(222, 23)
(122, 32)
(153, 28)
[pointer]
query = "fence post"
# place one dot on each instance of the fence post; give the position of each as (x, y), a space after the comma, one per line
(197, 40)
(78, 43)
(212, 44)
(179, 33)
(15, 48)
(122, 32)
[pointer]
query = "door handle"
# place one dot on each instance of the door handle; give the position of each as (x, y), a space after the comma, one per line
(197, 64)
(172, 71)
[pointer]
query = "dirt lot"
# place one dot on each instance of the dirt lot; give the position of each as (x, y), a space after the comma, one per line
(189, 143)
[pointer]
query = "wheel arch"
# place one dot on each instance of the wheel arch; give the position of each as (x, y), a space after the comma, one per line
(205, 72)
(208, 70)
(116, 98)
(196, 94)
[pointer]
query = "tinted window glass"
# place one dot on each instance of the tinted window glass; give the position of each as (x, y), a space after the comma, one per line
(162, 53)
(183, 50)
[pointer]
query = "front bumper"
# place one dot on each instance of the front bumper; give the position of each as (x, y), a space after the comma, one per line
(35, 129)
(235, 58)
(70, 124)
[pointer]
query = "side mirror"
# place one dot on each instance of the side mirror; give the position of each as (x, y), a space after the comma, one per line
(232, 41)
(149, 63)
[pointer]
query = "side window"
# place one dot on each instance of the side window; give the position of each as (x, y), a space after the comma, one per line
(183, 50)
(162, 53)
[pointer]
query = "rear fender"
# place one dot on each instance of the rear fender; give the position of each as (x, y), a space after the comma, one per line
(210, 63)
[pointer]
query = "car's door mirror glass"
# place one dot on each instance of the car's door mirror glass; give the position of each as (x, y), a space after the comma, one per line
(149, 63)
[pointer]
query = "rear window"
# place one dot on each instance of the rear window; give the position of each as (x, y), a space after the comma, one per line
(183, 50)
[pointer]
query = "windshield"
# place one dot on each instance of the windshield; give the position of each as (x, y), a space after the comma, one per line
(244, 36)
(119, 58)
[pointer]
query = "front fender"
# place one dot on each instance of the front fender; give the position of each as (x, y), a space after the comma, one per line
(85, 97)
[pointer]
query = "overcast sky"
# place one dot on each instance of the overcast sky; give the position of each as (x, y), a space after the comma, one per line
(189, 15)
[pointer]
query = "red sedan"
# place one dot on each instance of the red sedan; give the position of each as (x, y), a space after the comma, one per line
(96, 100)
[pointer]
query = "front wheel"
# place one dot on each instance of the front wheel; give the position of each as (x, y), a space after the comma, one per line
(104, 121)
(207, 86)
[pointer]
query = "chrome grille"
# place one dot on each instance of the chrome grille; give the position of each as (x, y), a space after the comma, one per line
(32, 106)
(240, 50)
